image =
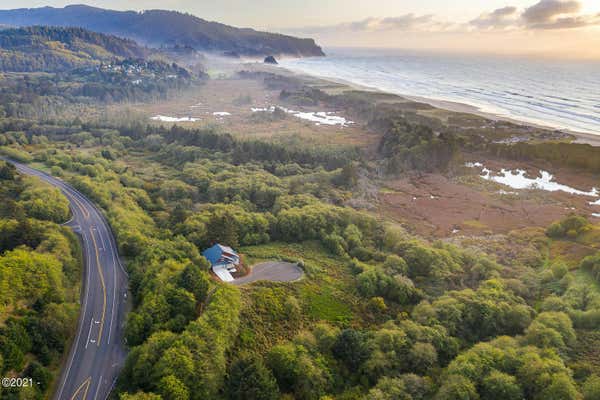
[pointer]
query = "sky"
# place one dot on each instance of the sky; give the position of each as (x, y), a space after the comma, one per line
(564, 28)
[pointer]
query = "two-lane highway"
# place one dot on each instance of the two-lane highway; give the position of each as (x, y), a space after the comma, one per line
(97, 352)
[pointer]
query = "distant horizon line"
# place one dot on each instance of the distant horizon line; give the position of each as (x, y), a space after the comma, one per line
(466, 52)
(548, 55)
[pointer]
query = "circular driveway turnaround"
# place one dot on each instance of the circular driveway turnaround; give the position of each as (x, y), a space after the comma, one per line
(274, 271)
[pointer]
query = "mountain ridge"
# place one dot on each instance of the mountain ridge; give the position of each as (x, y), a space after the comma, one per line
(158, 28)
(56, 49)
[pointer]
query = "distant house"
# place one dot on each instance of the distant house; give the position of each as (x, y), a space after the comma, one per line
(223, 261)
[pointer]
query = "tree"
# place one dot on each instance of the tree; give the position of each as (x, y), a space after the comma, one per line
(39, 374)
(296, 372)
(249, 379)
(377, 305)
(489, 311)
(195, 281)
(551, 329)
(8, 171)
(282, 361)
(45, 203)
(222, 229)
(591, 388)
(559, 270)
(422, 356)
(176, 361)
(395, 265)
(571, 226)
(12, 354)
(351, 348)
(181, 302)
(398, 288)
(501, 386)
(140, 396)
(137, 328)
(58, 321)
(30, 277)
(457, 388)
(348, 176)
(404, 387)
(389, 389)
(171, 388)
(326, 335)
(561, 388)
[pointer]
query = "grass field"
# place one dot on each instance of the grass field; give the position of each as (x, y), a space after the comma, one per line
(274, 312)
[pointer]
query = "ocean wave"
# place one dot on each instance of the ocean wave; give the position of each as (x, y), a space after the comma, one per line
(563, 95)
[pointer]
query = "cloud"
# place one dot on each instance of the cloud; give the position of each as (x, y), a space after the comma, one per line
(498, 19)
(403, 23)
(545, 14)
(557, 14)
(406, 22)
(547, 10)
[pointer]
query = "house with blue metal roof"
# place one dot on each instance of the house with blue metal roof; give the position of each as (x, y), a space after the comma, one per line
(223, 261)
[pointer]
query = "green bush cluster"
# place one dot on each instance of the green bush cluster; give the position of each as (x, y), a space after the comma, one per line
(570, 227)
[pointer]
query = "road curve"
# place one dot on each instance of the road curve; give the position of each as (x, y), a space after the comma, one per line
(97, 352)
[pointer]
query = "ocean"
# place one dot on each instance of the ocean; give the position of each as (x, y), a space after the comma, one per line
(563, 94)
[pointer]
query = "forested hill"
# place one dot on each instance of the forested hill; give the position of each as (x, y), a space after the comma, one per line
(54, 49)
(168, 28)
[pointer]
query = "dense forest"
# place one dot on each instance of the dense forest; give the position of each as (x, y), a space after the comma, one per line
(39, 280)
(50, 49)
(75, 71)
(27, 99)
(381, 314)
(166, 28)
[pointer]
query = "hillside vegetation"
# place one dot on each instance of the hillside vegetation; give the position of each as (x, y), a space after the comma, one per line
(50, 49)
(166, 28)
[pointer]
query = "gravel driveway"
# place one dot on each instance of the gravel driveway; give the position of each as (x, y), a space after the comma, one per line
(274, 271)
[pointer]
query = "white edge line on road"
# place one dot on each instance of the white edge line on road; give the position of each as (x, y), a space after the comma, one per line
(111, 388)
(103, 243)
(72, 215)
(112, 312)
(82, 317)
(89, 332)
(98, 388)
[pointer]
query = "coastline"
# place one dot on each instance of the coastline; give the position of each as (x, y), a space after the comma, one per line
(447, 105)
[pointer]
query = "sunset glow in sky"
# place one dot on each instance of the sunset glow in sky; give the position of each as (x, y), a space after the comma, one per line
(566, 28)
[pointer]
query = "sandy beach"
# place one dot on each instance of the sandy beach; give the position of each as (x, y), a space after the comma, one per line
(579, 137)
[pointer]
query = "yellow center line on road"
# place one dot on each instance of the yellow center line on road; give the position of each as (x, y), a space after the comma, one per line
(103, 288)
(83, 210)
(85, 384)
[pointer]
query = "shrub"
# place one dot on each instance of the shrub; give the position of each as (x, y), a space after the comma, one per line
(571, 227)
